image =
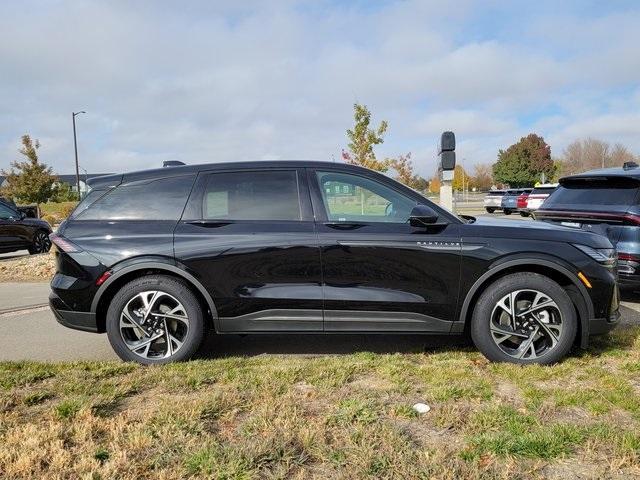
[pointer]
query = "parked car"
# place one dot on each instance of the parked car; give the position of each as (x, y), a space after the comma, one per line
(538, 195)
(521, 202)
(17, 232)
(155, 258)
(509, 201)
(607, 202)
(493, 200)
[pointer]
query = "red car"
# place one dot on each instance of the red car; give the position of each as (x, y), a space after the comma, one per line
(521, 203)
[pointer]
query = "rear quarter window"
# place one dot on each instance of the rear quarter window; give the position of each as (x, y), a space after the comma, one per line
(158, 199)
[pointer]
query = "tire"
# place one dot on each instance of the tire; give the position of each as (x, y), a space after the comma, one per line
(507, 212)
(40, 244)
(171, 297)
(488, 334)
(524, 214)
(490, 210)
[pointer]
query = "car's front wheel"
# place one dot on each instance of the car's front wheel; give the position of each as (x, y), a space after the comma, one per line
(524, 318)
(490, 210)
(155, 319)
(40, 243)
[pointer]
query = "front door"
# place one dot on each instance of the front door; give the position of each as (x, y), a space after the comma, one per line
(12, 233)
(249, 237)
(379, 272)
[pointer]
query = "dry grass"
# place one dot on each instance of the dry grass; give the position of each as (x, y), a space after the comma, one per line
(326, 417)
(31, 268)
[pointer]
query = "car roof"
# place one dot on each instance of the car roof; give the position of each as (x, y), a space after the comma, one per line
(629, 172)
(116, 179)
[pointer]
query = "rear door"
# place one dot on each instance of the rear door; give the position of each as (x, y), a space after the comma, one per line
(603, 205)
(249, 237)
(12, 233)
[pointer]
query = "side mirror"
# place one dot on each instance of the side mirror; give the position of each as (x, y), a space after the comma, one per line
(422, 216)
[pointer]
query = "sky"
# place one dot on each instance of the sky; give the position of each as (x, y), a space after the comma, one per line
(218, 81)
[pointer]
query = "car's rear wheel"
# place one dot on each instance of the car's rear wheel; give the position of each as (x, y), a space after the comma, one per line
(524, 318)
(490, 210)
(155, 319)
(40, 243)
(507, 211)
(524, 214)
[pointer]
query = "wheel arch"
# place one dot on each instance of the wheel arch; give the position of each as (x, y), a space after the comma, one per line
(140, 269)
(550, 268)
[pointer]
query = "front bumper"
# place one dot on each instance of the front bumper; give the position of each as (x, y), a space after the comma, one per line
(85, 321)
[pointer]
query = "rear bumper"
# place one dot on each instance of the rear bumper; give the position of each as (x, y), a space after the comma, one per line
(85, 321)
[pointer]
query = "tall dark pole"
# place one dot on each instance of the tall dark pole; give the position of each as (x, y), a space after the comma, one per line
(75, 147)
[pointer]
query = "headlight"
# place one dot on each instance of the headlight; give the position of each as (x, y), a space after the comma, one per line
(604, 256)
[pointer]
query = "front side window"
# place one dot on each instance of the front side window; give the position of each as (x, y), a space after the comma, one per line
(160, 199)
(6, 213)
(349, 198)
(251, 195)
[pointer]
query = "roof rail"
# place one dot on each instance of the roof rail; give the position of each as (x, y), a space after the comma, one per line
(172, 163)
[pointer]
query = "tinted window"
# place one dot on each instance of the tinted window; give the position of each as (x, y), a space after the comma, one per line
(161, 199)
(495, 194)
(87, 201)
(543, 191)
(251, 195)
(6, 212)
(583, 193)
(353, 198)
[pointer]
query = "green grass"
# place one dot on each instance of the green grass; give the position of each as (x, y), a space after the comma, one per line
(342, 416)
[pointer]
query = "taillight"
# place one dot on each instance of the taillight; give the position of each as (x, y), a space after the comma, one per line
(63, 244)
(628, 257)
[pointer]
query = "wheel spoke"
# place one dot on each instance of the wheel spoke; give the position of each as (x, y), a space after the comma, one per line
(134, 347)
(502, 331)
(527, 345)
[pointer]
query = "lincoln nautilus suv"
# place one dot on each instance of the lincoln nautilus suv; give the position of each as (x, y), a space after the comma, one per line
(157, 259)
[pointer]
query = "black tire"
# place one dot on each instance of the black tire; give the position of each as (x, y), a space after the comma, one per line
(484, 308)
(179, 291)
(524, 214)
(40, 244)
(507, 211)
(490, 210)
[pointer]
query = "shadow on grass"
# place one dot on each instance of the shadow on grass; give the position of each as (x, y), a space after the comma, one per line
(216, 346)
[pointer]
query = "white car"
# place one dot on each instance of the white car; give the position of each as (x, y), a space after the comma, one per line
(539, 194)
(493, 200)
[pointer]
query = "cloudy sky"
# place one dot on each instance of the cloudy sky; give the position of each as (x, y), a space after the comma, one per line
(216, 81)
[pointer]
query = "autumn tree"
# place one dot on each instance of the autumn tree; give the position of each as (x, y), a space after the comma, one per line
(403, 167)
(590, 153)
(482, 177)
(460, 178)
(524, 162)
(362, 139)
(435, 184)
(29, 181)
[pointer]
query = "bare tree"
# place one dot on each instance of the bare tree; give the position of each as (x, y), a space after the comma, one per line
(590, 153)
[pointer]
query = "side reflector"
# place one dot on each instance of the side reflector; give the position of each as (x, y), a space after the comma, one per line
(584, 279)
(103, 278)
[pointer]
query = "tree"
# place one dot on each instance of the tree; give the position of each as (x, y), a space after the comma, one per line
(590, 153)
(403, 167)
(63, 192)
(435, 184)
(524, 162)
(29, 181)
(482, 177)
(460, 178)
(363, 139)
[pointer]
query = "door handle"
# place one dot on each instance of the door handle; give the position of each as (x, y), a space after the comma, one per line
(344, 225)
(208, 223)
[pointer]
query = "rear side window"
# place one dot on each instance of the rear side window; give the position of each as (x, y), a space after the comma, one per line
(251, 195)
(161, 199)
(593, 192)
(543, 191)
(495, 194)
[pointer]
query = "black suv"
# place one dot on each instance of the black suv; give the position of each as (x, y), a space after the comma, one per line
(17, 232)
(155, 258)
(605, 201)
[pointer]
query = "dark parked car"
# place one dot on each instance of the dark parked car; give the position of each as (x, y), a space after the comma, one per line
(607, 202)
(17, 232)
(509, 201)
(155, 258)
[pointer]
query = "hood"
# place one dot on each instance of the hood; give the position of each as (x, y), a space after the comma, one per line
(36, 222)
(533, 230)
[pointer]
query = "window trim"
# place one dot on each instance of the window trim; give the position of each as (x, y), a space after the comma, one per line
(194, 208)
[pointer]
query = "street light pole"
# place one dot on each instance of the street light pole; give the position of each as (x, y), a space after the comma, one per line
(75, 147)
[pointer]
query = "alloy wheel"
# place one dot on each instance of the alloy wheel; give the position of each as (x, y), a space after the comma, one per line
(41, 243)
(526, 324)
(154, 324)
